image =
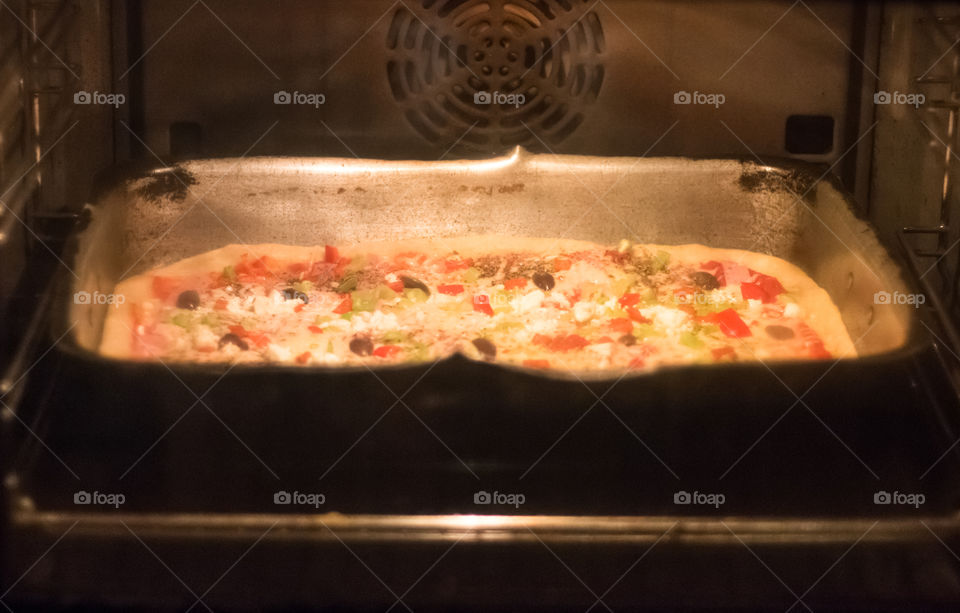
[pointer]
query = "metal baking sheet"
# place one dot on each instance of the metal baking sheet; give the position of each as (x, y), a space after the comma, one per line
(786, 211)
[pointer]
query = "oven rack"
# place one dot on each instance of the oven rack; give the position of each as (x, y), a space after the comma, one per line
(36, 112)
(930, 249)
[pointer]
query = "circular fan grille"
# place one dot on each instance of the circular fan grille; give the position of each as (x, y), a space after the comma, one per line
(489, 74)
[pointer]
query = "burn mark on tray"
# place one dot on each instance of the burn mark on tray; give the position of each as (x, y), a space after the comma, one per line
(273, 192)
(798, 180)
(170, 184)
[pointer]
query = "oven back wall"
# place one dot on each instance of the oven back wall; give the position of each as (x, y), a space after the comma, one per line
(405, 79)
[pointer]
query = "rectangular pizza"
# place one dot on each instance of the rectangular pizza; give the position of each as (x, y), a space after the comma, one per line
(530, 302)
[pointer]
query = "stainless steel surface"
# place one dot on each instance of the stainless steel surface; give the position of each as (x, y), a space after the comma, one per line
(770, 59)
(207, 204)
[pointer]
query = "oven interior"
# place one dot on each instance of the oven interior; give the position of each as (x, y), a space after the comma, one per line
(134, 133)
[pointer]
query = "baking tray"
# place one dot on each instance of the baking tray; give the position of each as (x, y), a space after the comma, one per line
(428, 438)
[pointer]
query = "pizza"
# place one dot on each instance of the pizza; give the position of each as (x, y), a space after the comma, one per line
(528, 302)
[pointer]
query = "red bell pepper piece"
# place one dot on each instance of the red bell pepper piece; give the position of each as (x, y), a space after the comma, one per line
(450, 290)
(259, 268)
(563, 342)
(721, 352)
(387, 351)
(481, 304)
(396, 286)
(517, 283)
(635, 314)
(257, 338)
(770, 285)
(315, 329)
(346, 304)
(812, 342)
(621, 325)
(536, 363)
(453, 265)
(752, 291)
(761, 287)
(629, 300)
(561, 264)
(730, 323)
(568, 342)
(303, 358)
(164, 287)
(331, 254)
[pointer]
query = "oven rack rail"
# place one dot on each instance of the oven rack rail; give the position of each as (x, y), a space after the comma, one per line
(35, 109)
(941, 302)
(930, 248)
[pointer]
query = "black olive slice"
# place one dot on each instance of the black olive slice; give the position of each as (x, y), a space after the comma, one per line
(292, 294)
(486, 348)
(361, 345)
(188, 300)
(705, 280)
(233, 339)
(411, 283)
(780, 333)
(544, 281)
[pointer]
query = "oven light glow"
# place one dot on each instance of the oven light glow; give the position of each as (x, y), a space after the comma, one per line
(344, 166)
(481, 521)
